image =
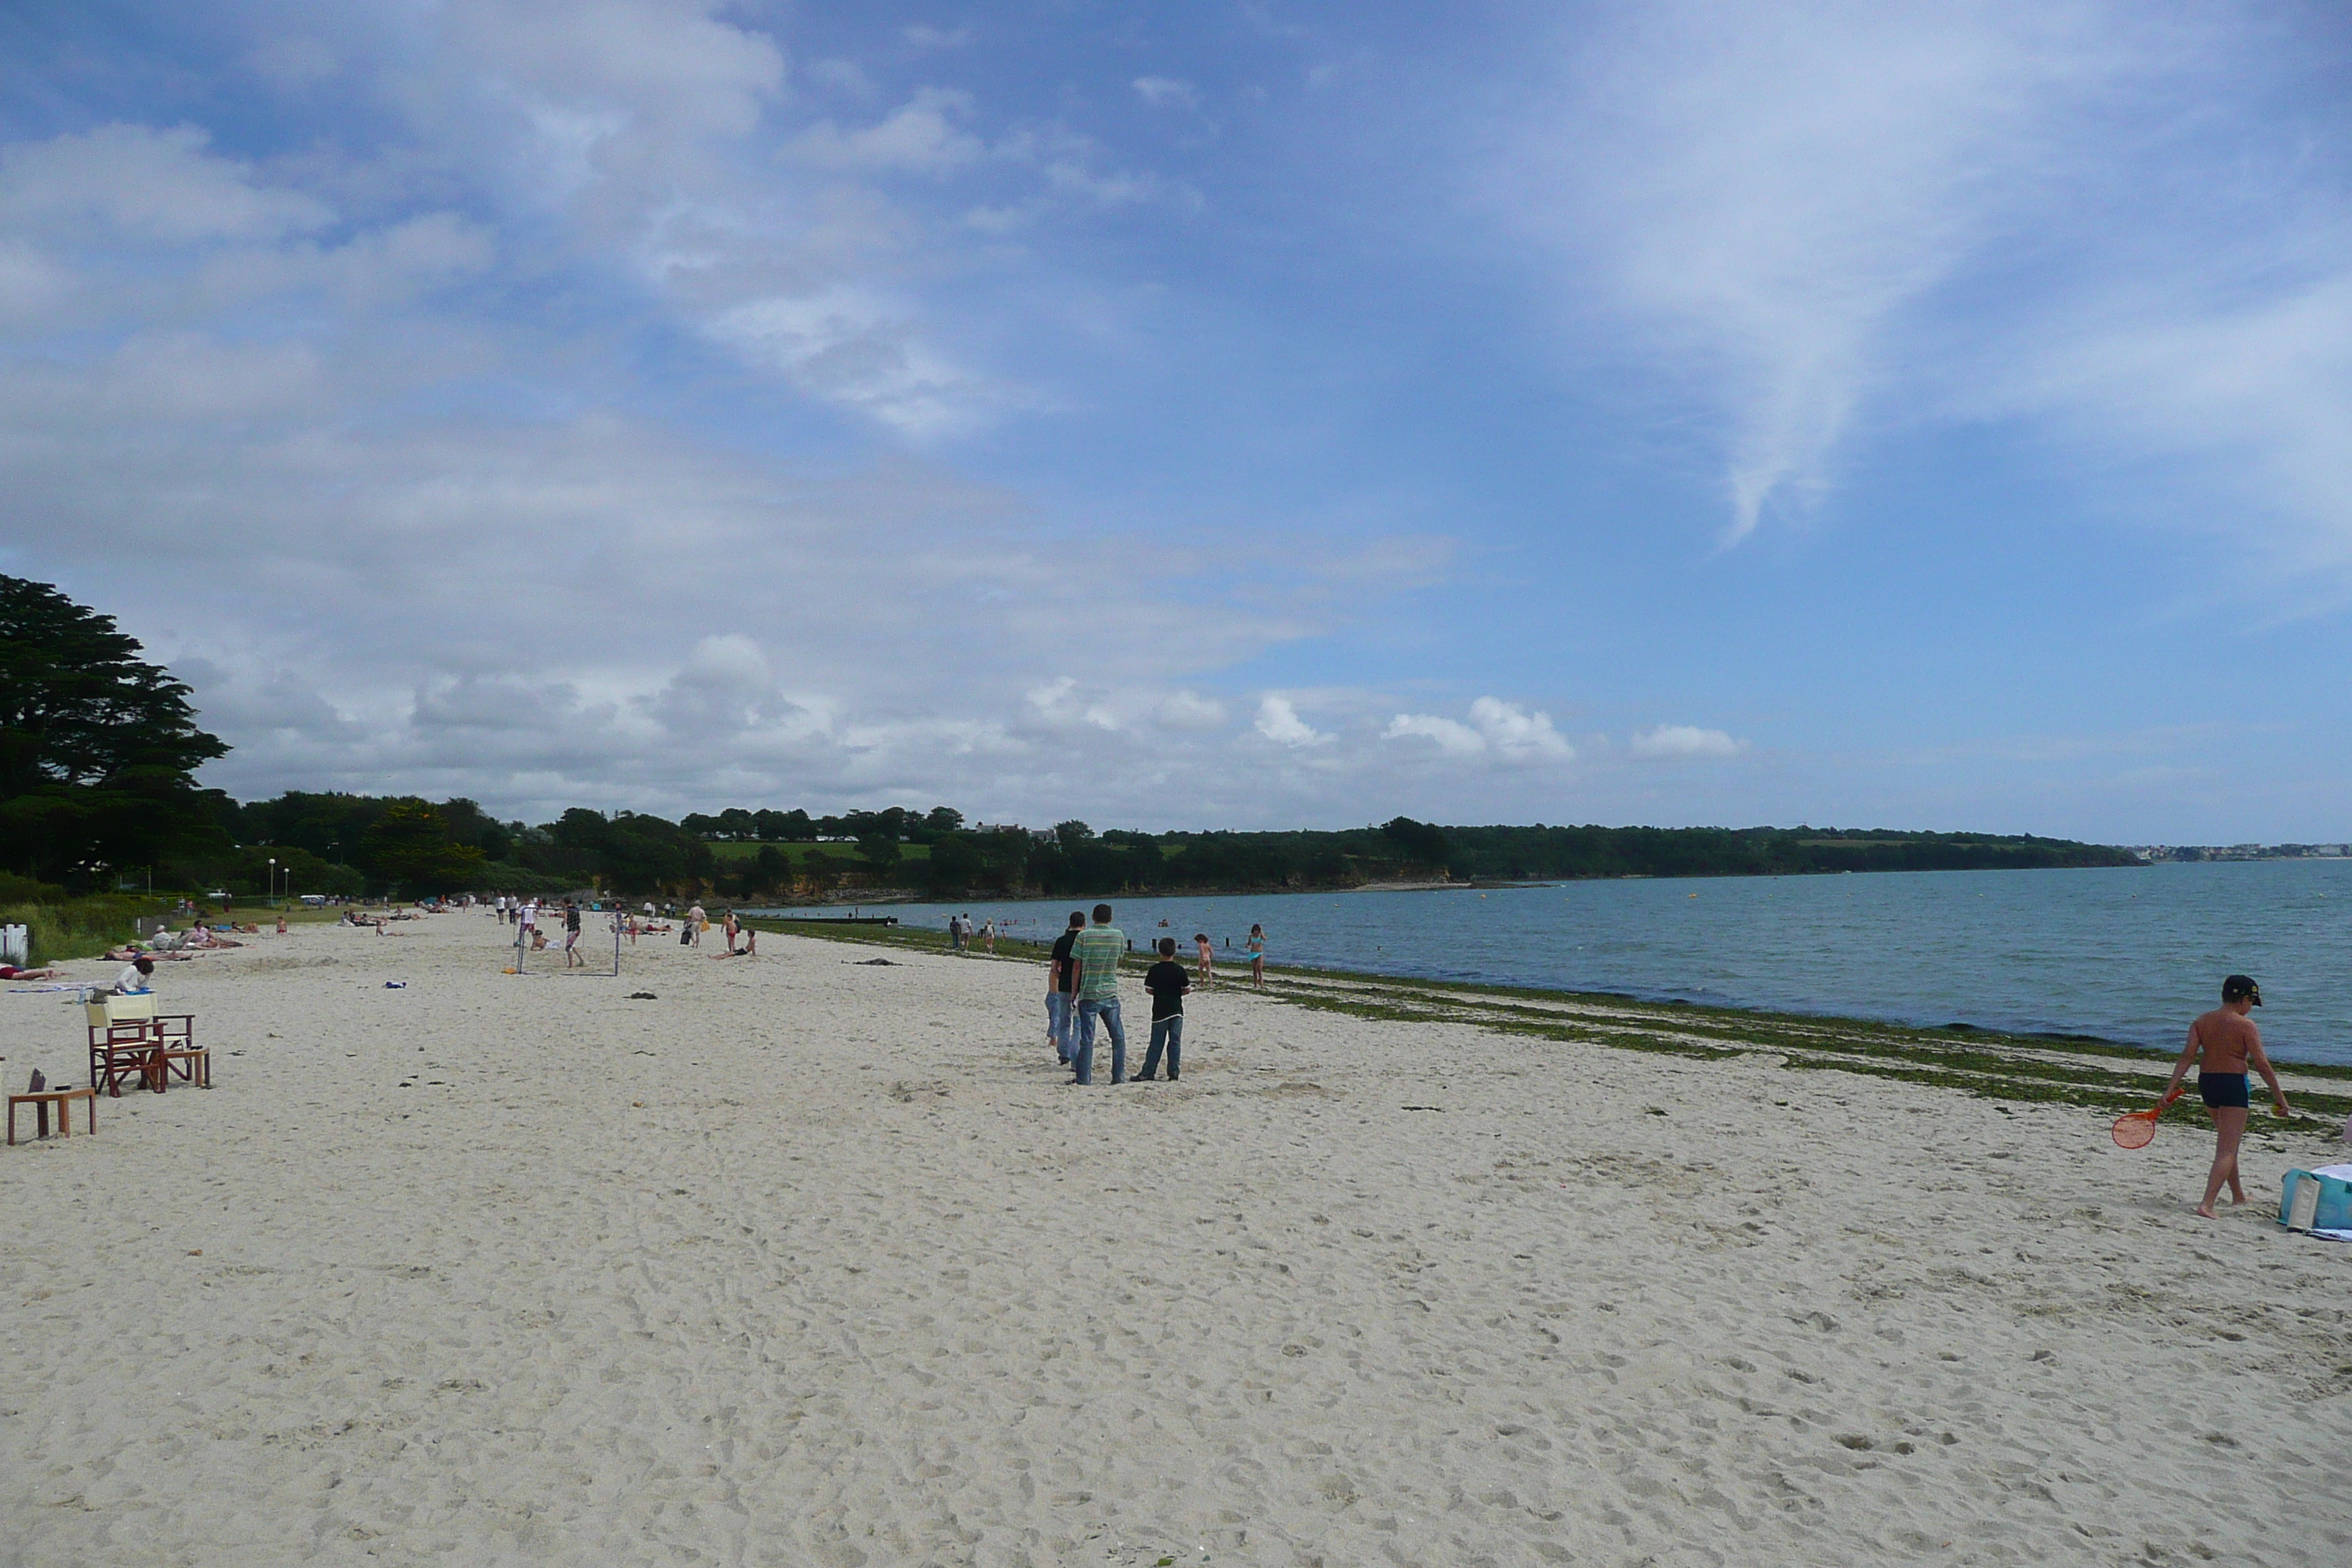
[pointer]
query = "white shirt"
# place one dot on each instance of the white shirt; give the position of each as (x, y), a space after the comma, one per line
(531, 915)
(131, 980)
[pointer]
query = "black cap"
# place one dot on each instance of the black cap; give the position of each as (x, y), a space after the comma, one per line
(2238, 985)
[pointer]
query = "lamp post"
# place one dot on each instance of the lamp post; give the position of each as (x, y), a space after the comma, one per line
(272, 899)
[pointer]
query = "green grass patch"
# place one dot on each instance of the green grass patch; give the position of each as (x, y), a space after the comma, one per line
(80, 928)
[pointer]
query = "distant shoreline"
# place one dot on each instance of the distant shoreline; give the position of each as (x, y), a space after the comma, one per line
(845, 897)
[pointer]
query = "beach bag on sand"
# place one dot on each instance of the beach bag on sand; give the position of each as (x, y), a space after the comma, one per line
(686, 936)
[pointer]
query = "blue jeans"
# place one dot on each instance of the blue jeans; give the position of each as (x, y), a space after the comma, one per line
(1057, 1022)
(1170, 1033)
(1107, 1008)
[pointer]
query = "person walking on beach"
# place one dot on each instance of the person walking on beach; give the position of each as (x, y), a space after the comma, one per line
(1061, 986)
(1097, 952)
(955, 933)
(1258, 956)
(988, 935)
(2223, 1043)
(696, 919)
(1167, 982)
(571, 959)
(1207, 956)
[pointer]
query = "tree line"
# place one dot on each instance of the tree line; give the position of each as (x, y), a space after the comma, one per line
(354, 844)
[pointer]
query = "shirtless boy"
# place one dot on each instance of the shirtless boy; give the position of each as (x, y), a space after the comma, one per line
(2226, 1040)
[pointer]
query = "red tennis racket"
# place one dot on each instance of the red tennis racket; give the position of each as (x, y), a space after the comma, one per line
(2136, 1129)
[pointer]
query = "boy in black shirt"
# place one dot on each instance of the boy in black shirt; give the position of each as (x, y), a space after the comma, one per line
(1167, 982)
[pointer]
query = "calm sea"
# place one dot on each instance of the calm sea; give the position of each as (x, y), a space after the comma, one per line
(2128, 954)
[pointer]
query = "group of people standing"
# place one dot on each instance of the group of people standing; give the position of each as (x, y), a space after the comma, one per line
(1082, 994)
(1082, 990)
(961, 935)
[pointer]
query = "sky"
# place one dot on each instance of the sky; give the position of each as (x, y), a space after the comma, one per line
(1217, 415)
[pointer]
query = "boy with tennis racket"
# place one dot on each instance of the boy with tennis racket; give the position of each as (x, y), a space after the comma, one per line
(2223, 1043)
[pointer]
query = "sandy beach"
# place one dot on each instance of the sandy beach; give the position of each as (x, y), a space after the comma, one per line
(812, 1259)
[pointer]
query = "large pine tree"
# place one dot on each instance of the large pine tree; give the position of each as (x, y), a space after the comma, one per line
(98, 748)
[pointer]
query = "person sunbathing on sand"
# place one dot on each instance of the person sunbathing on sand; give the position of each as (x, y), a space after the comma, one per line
(10, 972)
(2227, 1040)
(129, 951)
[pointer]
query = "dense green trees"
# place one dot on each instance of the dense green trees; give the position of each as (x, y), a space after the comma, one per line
(638, 854)
(351, 844)
(411, 846)
(98, 748)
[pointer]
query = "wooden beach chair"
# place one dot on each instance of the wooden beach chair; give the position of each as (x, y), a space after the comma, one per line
(126, 1043)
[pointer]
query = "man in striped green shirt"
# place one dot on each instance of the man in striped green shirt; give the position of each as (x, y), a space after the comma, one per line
(1097, 956)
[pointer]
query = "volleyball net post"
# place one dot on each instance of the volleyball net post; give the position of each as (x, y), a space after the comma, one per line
(524, 936)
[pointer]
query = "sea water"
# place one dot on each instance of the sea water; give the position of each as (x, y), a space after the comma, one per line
(2130, 953)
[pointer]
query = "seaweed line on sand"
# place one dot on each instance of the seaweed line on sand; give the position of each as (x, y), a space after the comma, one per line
(2078, 1071)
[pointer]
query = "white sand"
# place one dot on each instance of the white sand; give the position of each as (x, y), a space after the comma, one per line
(862, 1281)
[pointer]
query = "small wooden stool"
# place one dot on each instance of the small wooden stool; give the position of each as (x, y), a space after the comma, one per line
(63, 1099)
(191, 1065)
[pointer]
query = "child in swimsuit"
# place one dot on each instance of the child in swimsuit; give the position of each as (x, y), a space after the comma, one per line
(2223, 1042)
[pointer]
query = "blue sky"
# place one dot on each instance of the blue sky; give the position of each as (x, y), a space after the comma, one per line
(1211, 415)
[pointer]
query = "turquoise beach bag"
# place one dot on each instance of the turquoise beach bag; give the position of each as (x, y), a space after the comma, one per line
(2310, 1200)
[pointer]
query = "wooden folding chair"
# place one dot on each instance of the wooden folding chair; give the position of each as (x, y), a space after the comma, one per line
(125, 1044)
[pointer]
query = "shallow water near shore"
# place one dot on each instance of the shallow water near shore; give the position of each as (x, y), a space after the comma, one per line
(2128, 954)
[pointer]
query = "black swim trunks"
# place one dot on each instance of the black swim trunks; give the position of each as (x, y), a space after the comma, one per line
(2223, 1089)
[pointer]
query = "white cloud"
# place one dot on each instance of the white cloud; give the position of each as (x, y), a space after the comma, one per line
(918, 138)
(924, 35)
(1683, 742)
(1161, 92)
(1775, 195)
(1502, 730)
(1051, 695)
(1517, 733)
(137, 183)
(669, 72)
(2099, 219)
(2257, 390)
(1189, 710)
(1451, 734)
(852, 348)
(1278, 722)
